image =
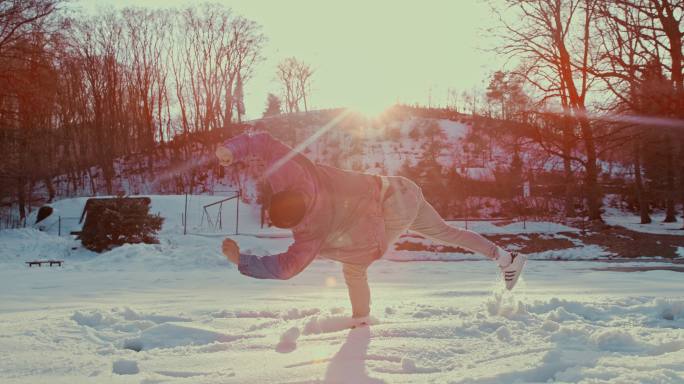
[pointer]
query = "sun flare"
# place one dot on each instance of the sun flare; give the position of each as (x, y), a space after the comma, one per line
(369, 110)
(330, 282)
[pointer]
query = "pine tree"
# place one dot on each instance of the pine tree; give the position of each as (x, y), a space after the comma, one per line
(114, 222)
(273, 106)
(650, 98)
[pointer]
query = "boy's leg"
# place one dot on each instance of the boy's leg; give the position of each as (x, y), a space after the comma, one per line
(400, 207)
(406, 208)
(399, 210)
(429, 223)
(359, 293)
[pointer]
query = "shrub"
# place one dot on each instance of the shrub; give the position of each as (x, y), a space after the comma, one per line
(114, 222)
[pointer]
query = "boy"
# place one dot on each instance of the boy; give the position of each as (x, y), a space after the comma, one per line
(345, 216)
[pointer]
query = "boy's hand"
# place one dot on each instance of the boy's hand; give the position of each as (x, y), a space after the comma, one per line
(231, 250)
(225, 156)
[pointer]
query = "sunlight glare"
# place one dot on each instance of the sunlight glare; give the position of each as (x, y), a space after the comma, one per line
(369, 110)
(299, 148)
(330, 282)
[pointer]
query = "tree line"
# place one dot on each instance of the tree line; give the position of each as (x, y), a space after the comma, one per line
(595, 78)
(78, 90)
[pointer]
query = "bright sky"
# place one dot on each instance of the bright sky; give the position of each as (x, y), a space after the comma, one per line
(366, 54)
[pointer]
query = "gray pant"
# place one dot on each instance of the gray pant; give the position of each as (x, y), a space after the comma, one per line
(405, 208)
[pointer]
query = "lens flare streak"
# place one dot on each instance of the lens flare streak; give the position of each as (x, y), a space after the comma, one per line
(300, 147)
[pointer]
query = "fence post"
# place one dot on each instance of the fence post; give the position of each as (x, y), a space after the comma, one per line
(237, 212)
(185, 216)
(59, 225)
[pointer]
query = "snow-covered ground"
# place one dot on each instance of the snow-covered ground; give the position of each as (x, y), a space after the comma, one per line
(633, 222)
(177, 312)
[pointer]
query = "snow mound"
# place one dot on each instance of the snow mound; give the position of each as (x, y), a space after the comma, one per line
(506, 306)
(122, 319)
(196, 253)
(615, 340)
(93, 319)
(288, 340)
(330, 324)
(30, 244)
(670, 310)
(169, 335)
(408, 365)
(125, 367)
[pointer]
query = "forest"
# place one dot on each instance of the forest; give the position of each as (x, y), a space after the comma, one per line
(591, 83)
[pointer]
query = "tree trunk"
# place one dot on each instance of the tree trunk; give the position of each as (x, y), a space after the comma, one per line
(108, 174)
(50, 187)
(93, 188)
(593, 193)
(681, 175)
(671, 214)
(639, 185)
(567, 168)
(21, 200)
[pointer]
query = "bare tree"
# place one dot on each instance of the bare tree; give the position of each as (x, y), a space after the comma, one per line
(216, 56)
(145, 32)
(247, 43)
(27, 87)
(295, 78)
(641, 42)
(19, 19)
(78, 93)
(555, 38)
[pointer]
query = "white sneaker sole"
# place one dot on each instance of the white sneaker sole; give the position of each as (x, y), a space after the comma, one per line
(512, 272)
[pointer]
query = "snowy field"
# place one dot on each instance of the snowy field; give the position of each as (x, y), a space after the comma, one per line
(633, 222)
(177, 312)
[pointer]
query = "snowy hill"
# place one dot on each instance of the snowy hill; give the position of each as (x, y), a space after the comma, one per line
(389, 144)
(468, 166)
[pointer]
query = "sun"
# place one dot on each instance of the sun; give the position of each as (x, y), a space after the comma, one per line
(369, 109)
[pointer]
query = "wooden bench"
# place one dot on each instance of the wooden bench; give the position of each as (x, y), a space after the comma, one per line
(41, 262)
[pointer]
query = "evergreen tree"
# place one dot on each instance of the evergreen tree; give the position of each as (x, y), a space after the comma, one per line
(506, 90)
(651, 97)
(273, 106)
(114, 222)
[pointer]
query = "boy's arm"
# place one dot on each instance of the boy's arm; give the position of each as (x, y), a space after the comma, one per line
(284, 265)
(283, 166)
(239, 147)
(262, 145)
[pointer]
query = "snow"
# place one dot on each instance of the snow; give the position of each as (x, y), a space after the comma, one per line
(477, 173)
(125, 367)
(288, 340)
(454, 130)
(632, 222)
(513, 228)
(179, 312)
(568, 322)
(586, 252)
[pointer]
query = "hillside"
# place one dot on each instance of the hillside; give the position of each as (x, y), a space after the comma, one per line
(468, 166)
